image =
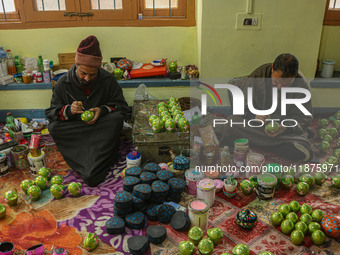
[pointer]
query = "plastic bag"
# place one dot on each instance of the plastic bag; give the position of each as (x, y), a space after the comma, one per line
(142, 93)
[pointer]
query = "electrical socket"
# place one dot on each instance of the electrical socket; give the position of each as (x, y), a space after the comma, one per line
(256, 21)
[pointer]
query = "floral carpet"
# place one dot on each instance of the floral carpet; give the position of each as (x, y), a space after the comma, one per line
(65, 222)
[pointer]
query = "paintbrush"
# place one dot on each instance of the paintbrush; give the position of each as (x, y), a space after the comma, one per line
(74, 99)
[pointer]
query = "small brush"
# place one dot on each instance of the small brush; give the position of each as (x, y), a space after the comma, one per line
(74, 99)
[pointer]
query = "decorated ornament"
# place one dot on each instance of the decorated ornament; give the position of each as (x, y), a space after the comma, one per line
(195, 235)
(215, 235)
(170, 125)
(323, 123)
(46, 172)
(241, 249)
(287, 182)
(57, 179)
(302, 188)
(91, 241)
(276, 218)
(34, 192)
(11, 198)
(305, 208)
(246, 219)
(205, 246)
(25, 184)
(2, 211)
(186, 248)
(86, 116)
(157, 125)
(320, 178)
(125, 64)
(318, 237)
(307, 178)
(57, 191)
(247, 187)
(297, 237)
(74, 188)
(41, 181)
(330, 225)
(336, 181)
(317, 215)
(183, 125)
(272, 128)
(294, 206)
(300, 225)
(162, 104)
(287, 226)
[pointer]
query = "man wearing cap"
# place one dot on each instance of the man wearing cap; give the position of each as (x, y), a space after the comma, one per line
(90, 148)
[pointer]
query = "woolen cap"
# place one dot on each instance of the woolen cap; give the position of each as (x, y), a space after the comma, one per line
(88, 52)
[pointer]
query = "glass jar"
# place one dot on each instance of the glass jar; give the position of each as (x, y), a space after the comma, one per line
(27, 77)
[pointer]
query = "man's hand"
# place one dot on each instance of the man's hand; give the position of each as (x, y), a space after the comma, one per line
(281, 130)
(96, 112)
(76, 107)
(262, 117)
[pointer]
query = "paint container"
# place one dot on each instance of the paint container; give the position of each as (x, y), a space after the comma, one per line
(266, 186)
(133, 159)
(36, 162)
(219, 185)
(241, 149)
(198, 213)
(35, 141)
(206, 190)
(276, 170)
(327, 68)
(19, 154)
(3, 164)
(8, 153)
(36, 250)
(6, 248)
(191, 177)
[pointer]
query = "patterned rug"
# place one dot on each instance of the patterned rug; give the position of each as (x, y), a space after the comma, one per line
(65, 222)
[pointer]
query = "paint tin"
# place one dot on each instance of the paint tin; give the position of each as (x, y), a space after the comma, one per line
(3, 164)
(266, 186)
(36, 162)
(35, 141)
(198, 213)
(191, 177)
(133, 159)
(206, 190)
(6, 248)
(219, 185)
(19, 153)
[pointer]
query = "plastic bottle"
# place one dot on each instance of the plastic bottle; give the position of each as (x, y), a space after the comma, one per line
(39, 77)
(2, 54)
(10, 63)
(18, 64)
(40, 65)
(34, 76)
(196, 119)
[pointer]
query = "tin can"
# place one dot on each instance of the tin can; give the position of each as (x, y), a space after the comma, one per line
(35, 141)
(198, 213)
(35, 152)
(266, 186)
(191, 177)
(19, 153)
(133, 158)
(3, 164)
(206, 190)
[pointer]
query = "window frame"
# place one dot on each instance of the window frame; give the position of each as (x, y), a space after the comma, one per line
(332, 17)
(28, 22)
(178, 12)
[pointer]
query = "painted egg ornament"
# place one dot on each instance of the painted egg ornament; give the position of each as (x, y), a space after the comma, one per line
(173, 99)
(272, 128)
(91, 242)
(164, 113)
(46, 172)
(246, 219)
(276, 218)
(215, 235)
(25, 184)
(174, 108)
(41, 181)
(302, 226)
(183, 125)
(186, 248)
(336, 181)
(317, 215)
(323, 123)
(302, 188)
(284, 209)
(178, 117)
(166, 117)
(318, 237)
(2, 211)
(195, 234)
(336, 153)
(332, 132)
(306, 208)
(11, 198)
(320, 178)
(266, 253)
(307, 178)
(330, 224)
(313, 226)
(324, 146)
(297, 237)
(247, 187)
(74, 188)
(157, 125)
(170, 125)
(125, 64)
(86, 116)
(327, 138)
(294, 206)
(287, 182)
(162, 104)
(322, 132)
(306, 218)
(57, 191)
(241, 249)
(57, 179)
(205, 246)
(152, 118)
(34, 192)
(293, 217)
(287, 226)
(162, 109)
(332, 160)
(177, 112)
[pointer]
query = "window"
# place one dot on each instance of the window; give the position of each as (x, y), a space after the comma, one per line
(76, 13)
(332, 15)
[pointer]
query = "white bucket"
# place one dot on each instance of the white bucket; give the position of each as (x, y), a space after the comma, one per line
(327, 68)
(36, 162)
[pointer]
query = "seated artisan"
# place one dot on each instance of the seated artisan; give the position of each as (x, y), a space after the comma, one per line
(288, 142)
(90, 148)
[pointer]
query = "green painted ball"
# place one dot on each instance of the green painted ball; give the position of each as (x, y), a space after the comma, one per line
(86, 116)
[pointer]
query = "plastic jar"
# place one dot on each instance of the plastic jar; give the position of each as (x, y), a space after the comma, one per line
(198, 213)
(26, 77)
(206, 190)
